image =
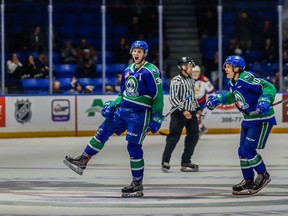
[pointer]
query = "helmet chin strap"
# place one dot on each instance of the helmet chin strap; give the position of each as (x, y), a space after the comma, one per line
(234, 76)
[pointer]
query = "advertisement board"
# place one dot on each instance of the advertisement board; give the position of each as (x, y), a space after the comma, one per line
(79, 115)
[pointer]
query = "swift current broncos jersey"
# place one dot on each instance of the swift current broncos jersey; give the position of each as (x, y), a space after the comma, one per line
(142, 88)
(245, 93)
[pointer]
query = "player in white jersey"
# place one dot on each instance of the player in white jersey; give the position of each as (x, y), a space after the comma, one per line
(203, 89)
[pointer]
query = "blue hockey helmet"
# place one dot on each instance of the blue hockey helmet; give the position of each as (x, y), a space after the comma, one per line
(235, 61)
(140, 45)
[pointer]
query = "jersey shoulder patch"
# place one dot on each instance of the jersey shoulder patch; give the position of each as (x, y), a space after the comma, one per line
(204, 78)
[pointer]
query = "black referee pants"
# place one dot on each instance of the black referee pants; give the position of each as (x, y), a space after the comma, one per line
(177, 123)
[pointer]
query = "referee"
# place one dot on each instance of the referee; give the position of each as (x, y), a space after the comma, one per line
(181, 86)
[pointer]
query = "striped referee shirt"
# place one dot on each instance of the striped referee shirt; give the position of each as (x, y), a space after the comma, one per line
(180, 88)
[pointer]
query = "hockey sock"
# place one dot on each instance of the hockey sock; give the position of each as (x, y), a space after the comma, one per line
(247, 170)
(257, 163)
(137, 168)
(136, 160)
(93, 147)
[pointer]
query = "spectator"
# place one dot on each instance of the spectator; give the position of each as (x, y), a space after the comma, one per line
(56, 88)
(269, 52)
(31, 69)
(76, 87)
(89, 89)
(86, 67)
(233, 47)
(267, 31)
(118, 83)
(135, 28)
(212, 69)
(43, 66)
(122, 51)
(68, 53)
(94, 55)
(14, 67)
(37, 40)
(245, 31)
(109, 89)
(83, 44)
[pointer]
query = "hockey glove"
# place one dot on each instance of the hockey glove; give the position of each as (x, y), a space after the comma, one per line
(108, 109)
(214, 101)
(264, 104)
(155, 122)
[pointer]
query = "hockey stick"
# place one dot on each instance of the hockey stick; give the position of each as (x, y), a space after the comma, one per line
(257, 111)
(179, 105)
(173, 110)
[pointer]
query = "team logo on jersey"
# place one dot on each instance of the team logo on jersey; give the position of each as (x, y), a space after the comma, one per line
(132, 87)
(247, 77)
(23, 111)
(241, 101)
(154, 70)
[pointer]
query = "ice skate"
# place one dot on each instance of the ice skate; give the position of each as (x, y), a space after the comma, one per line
(135, 189)
(165, 167)
(243, 188)
(203, 130)
(260, 182)
(189, 167)
(77, 164)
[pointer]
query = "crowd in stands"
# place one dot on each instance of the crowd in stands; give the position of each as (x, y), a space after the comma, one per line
(251, 32)
(79, 52)
(78, 47)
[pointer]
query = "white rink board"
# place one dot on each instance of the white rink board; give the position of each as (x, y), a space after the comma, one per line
(91, 122)
(44, 113)
(230, 117)
(70, 113)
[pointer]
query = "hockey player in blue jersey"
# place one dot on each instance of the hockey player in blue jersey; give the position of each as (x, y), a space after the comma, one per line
(253, 96)
(138, 109)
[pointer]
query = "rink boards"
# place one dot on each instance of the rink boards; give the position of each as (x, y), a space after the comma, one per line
(79, 115)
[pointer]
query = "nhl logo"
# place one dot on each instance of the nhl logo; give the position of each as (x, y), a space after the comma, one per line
(22, 111)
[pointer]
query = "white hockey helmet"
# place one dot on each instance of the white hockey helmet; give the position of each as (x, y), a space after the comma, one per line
(196, 71)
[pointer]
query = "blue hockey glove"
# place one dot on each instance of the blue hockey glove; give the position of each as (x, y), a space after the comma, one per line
(214, 101)
(264, 104)
(155, 122)
(108, 109)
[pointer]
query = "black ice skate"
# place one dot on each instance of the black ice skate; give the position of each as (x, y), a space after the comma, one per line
(165, 167)
(189, 167)
(76, 164)
(135, 189)
(260, 182)
(243, 188)
(203, 130)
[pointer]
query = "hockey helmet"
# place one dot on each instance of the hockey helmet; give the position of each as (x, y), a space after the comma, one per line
(196, 72)
(235, 61)
(185, 61)
(140, 45)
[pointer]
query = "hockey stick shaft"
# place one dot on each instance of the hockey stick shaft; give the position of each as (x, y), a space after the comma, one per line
(274, 104)
(179, 105)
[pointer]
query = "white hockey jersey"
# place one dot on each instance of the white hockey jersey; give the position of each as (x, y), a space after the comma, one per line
(203, 88)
